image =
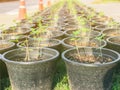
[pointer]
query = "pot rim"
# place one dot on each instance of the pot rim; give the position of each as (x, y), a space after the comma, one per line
(68, 45)
(61, 33)
(100, 27)
(99, 33)
(90, 65)
(12, 44)
(22, 33)
(30, 62)
(109, 41)
(109, 29)
(59, 42)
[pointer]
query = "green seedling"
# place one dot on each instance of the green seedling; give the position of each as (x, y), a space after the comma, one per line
(76, 33)
(81, 21)
(100, 38)
(2, 27)
(101, 14)
(91, 15)
(116, 24)
(76, 45)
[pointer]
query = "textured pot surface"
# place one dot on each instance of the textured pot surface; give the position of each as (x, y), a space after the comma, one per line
(90, 76)
(31, 75)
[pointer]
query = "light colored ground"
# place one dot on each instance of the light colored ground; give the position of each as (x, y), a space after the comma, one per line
(110, 9)
(9, 10)
(7, 19)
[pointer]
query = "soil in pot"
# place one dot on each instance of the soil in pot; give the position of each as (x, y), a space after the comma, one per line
(33, 74)
(13, 38)
(50, 43)
(70, 42)
(26, 24)
(102, 19)
(17, 31)
(93, 34)
(68, 27)
(2, 46)
(93, 70)
(96, 23)
(49, 34)
(89, 59)
(111, 33)
(100, 28)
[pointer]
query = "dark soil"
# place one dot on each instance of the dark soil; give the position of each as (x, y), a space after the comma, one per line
(114, 34)
(91, 44)
(117, 41)
(89, 59)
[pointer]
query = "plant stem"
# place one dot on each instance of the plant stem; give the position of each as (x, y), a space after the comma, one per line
(27, 58)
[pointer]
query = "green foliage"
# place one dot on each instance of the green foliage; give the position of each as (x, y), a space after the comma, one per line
(100, 37)
(16, 40)
(2, 26)
(84, 29)
(91, 15)
(101, 14)
(81, 21)
(112, 23)
(76, 33)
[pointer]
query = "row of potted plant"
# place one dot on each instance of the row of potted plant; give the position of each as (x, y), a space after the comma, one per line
(66, 28)
(32, 65)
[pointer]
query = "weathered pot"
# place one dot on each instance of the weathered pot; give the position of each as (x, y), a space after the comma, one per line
(33, 74)
(90, 76)
(114, 43)
(111, 33)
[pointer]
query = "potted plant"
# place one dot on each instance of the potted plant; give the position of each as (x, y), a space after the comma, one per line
(31, 67)
(90, 68)
(46, 32)
(14, 34)
(107, 25)
(16, 30)
(110, 32)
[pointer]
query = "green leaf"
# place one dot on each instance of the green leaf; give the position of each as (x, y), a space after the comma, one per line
(75, 33)
(83, 29)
